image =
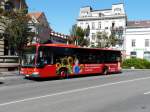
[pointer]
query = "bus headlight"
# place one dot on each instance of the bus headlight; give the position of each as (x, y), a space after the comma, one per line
(35, 74)
(21, 72)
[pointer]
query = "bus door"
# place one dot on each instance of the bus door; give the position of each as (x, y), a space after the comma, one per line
(45, 61)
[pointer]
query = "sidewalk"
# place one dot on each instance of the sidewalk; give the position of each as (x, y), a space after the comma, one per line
(9, 73)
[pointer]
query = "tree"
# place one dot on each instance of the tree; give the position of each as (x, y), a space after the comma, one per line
(105, 41)
(17, 32)
(102, 40)
(77, 36)
(113, 40)
(116, 36)
(3, 23)
(87, 31)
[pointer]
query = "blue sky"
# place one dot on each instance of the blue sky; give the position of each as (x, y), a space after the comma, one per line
(62, 14)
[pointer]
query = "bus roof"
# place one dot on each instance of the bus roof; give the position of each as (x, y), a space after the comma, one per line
(72, 46)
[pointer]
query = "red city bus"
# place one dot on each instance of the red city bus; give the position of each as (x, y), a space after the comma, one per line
(61, 60)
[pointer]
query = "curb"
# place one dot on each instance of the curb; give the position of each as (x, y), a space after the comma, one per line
(16, 73)
(134, 69)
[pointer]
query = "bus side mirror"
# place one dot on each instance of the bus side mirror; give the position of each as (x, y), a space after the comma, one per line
(45, 62)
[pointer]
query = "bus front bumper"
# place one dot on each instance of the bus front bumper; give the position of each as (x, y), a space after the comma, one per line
(34, 74)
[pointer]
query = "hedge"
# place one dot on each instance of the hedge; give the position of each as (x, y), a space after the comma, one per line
(136, 63)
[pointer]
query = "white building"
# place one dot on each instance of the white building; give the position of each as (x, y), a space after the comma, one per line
(103, 20)
(137, 40)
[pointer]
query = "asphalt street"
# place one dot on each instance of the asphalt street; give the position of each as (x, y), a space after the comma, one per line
(125, 92)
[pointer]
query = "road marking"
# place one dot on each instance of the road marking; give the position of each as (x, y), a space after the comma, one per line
(72, 91)
(147, 93)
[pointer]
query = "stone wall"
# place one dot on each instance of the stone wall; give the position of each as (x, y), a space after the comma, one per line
(1, 47)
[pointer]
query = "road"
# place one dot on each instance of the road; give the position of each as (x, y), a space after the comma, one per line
(126, 92)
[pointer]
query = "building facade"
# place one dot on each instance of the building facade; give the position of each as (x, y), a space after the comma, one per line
(137, 39)
(40, 26)
(104, 20)
(43, 32)
(8, 5)
(13, 4)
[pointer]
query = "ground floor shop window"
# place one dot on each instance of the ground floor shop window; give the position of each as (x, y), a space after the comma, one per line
(147, 55)
(133, 54)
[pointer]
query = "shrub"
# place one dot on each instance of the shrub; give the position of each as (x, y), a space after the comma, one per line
(1, 10)
(136, 63)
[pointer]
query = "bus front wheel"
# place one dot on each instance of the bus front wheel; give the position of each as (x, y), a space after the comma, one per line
(63, 73)
(105, 70)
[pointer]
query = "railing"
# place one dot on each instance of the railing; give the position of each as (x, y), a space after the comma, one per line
(9, 63)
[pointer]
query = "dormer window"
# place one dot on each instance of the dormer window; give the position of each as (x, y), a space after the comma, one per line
(117, 11)
(84, 13)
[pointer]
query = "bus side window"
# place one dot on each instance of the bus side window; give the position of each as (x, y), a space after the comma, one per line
(40, 54)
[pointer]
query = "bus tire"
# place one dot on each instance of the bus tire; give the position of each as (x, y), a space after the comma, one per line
(105, 71)
(63, 73)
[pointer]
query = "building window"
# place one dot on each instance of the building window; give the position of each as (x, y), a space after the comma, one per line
(101, 14)
(117, 11)
(133, 54)
(81, 24)
(99, 25)
(113, 25)
(8, 6)
(106, 28)
(133, 43)
(92, 45)
(93, 25)
(87, 24)
(146, 42)
(93, 36)
(147, 55)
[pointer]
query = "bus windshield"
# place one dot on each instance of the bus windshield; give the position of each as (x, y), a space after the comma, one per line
(28, 59)
(44, 56)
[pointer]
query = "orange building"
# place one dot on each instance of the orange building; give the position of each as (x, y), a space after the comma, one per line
(40, 26)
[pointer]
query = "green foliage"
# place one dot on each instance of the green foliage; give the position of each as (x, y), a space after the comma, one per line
(113, 40)
(87, 31)
(106, 41)
(136, 63)
(1, 10)
(78, 34)
(16, 29)
(102, 39)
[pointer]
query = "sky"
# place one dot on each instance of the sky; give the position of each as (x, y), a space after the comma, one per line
(62, 14)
